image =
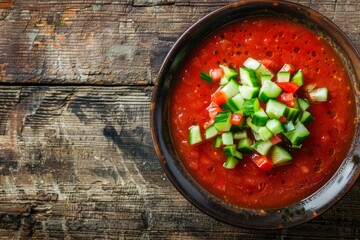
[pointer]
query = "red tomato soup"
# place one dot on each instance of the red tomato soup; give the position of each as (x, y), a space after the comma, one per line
(331, 132)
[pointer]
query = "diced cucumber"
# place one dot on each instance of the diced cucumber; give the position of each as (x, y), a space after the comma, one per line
(256, 135)
(244, 145)
(194, 135)
(283, 77)
(303, 104)
(224, 81)
(259, 118)
(291, 113)
(223, 121)
(234, 104)
(288, 126)
(265, 133)
(275, 109)
(248, 77)
(251, 106)
(240, 135)
(230, 150)
(218, 142)
(279, 155)
(230, 89)
(252, 63)
(229, 73)
(248, 92)
(262, 147)
(269, 90)
(298, 78)
(298, 135)
(275, 126)
(231, 163)
(227, 138)
(262, 70)
(306, 117)
(319, 95)
(211, 132)
(266, 77)
(238, 155)
(296, 146)
(252, 126)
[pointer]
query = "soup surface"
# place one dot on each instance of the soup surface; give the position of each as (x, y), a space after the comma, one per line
(331, 131)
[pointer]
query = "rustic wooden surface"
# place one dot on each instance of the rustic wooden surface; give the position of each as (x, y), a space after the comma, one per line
(76, 159)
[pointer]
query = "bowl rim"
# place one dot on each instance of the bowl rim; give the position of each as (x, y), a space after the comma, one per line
(347, 173)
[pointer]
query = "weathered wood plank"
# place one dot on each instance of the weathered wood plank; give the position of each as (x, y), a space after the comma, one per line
(78, 163)
(111, 42)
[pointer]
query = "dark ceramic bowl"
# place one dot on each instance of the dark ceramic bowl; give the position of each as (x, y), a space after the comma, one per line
(292, 215)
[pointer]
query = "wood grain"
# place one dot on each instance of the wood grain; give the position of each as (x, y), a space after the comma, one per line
(111, 42)
(78, 163)
(76, 159)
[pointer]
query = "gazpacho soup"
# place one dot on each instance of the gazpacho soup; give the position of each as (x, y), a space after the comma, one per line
(263, 113)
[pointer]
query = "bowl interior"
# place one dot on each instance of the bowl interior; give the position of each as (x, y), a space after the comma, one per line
(298, 213)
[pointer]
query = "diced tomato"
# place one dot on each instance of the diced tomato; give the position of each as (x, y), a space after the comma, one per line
(213, 110)
(208, 123)
(236, 119)
(218, 97)
(287, 68)
(268, 63)
(275, 139)
(287, 98)
(263, 162)
(216, 74)
(283, 119)
(289, 87)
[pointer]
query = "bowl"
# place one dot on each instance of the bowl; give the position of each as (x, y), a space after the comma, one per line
(317, 203)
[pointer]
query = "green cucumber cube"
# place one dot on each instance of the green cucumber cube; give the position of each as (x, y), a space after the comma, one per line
(211, 132)
(275, 109)
(240, 135)
(223, 121)
(298, 78)
(248, 77)
(275, 126)
(251, 106)
(303, 104)
(269, 90)
(265, 133)
(234, 104)
(248, 92)
(319, 95)
(194, 135)
(259, 118)
(229, 73)
(230, 150)
(279, 155)
(306, 117)
(252, 63)
(262, 70)
(262, 147)
(283, 77)
(244, 145)
(218, 142)
(227, 138)
(230, 89)
(291, 113)
(231, 162)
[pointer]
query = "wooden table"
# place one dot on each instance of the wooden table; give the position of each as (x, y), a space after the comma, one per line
(76, 159)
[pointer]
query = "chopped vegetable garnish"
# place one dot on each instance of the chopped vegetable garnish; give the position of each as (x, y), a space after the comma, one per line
(257, 115)
(206, 77)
